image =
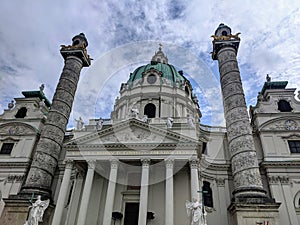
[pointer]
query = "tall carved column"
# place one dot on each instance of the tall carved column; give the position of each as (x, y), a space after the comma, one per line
(248, 195)
(245, 170)
(44, 161)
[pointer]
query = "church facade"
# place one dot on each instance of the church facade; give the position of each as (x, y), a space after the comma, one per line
(153, 158)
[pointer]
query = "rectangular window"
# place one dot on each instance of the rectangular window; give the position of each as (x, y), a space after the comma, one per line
(294, 146)
(6, 148)
(204, 148)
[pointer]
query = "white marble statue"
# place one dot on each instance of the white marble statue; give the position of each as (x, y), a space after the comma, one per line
(145, 119)
(37, 211)
(190, 121)
(99, 124)
(169, 122)
(134, 112)
(42, 87)
(42, 103)
(79, 123)
(198, 212)
(11, 104)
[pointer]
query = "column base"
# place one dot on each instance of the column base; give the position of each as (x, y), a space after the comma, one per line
(256, 214)
(43, 192)
(16, 210)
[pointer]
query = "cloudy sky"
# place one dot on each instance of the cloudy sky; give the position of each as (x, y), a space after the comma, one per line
(125, 34)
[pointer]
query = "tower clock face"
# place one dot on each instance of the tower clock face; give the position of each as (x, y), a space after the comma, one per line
(291, 125)
(151, 79)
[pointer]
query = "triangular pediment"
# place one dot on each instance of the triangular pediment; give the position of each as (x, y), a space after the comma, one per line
(131, 132)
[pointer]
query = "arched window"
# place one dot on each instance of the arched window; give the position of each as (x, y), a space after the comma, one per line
(187, 92)
(297, 200)
(284, 106)
(21, 112)
(150, 110)
(207, 194)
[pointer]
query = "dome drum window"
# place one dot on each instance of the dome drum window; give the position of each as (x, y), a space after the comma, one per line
(151, 78)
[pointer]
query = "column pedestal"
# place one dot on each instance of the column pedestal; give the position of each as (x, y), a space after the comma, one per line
(16, 211)
(257, 214)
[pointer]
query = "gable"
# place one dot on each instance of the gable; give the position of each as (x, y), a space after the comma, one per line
(283, 124)
(17, 128)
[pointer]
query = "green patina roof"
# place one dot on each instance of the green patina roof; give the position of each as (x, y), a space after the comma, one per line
(168, 71)
(34, 94)
(274, 85)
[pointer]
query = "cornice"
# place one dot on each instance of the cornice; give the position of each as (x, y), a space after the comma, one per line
(280, 164)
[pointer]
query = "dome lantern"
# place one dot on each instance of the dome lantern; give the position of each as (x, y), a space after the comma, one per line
(159, 57)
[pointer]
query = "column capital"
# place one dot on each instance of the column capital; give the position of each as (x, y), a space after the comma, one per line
(69, 163)
(145, 162)
(169, 163)
(194, 162)
(91, 164)
(114, 163)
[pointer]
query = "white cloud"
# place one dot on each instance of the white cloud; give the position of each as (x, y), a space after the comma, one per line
(30, 37)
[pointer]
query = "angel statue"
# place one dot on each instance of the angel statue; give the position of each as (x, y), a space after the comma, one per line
(198, 212)
(37, 211)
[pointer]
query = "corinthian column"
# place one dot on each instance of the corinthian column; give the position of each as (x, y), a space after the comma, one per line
(44, 161)
(144, 192)
(62, 194)
(169, 192)
(194, 178)
(110, 196)
(85, 198)
(245, 170)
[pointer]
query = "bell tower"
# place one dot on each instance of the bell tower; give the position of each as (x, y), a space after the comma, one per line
(248, 188)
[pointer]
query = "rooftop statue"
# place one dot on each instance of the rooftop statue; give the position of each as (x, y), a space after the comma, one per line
(11, 104)
(80, 123)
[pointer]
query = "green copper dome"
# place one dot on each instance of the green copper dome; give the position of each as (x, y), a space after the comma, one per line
(168, 72)
(159, 62)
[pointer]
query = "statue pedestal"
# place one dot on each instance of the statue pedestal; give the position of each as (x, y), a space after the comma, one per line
(256, 214)
(16, 209)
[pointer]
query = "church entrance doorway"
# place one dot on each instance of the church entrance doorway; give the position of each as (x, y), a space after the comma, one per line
(131, 213)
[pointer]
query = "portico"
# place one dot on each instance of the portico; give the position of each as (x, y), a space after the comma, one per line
(153, 172)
